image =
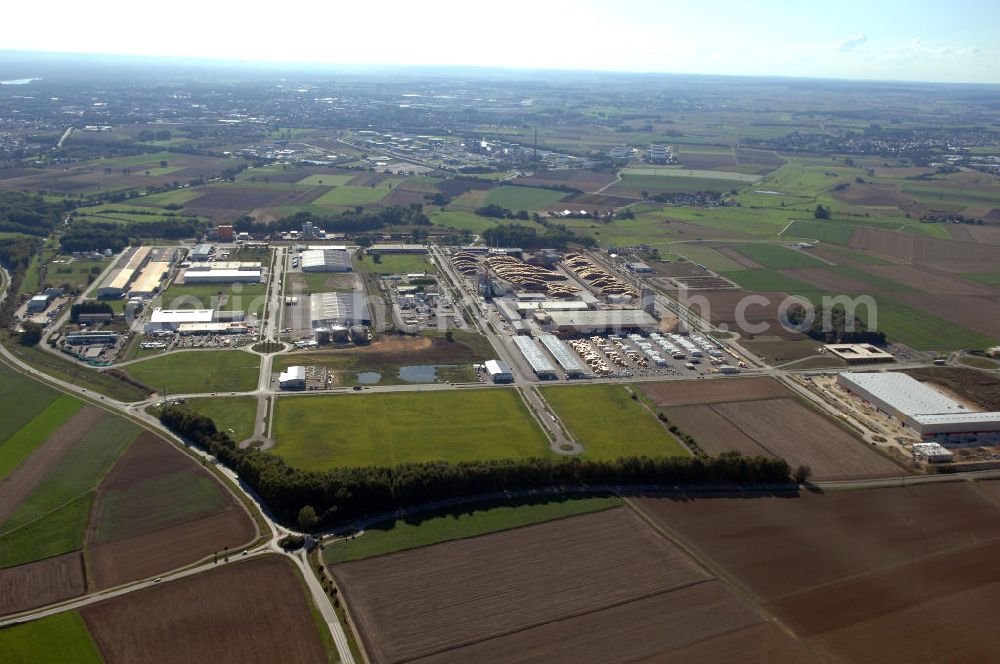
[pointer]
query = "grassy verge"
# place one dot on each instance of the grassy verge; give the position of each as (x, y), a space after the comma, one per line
(460, 523)
(235, 415)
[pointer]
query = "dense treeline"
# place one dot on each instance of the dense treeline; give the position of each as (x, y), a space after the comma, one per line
(32, 215)
(555, 236)
(358, 220)
(15, 255)
(343, 494)
(98, 235)
(831, 327)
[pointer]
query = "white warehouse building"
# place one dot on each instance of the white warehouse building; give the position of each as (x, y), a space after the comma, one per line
(326, 260)
(930, 413)
(222, 276)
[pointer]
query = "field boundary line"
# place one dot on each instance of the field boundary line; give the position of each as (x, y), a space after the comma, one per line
(702, 560)
(553, 621)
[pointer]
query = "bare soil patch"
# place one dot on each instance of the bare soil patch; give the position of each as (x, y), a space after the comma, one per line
(780, 546)
(575, 178)
(679, 393)
(646, 629)
(431, 600)
(714, 433)
(42, 582)
(19, 484)
(982, 389)
(787, 429)
(922, 249)
(168, 548)
(928, 280)
(721, 306)
(402, 196)
(458, 186)
(252, 611)
(592, 202)
(763, 157)
(882, 195)
(370, 179)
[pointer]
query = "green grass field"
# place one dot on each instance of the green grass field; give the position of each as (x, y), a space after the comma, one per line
(348, 196)
(523, 198)
(190, 372)
(465, 221)
(235, 415)
(158, 503)
(22, 443)
(64, 369)
(396, 264)
(75, 274)
(631, 185)
(924, 331)
(609, 423)
(824, 231)
(768, 281)
(61, 531)
(76, 473)
(56, 639)
(21, 399)
(238, 297)
(329, 431)
(776, 257)
(679, 172)
(460, 523)
(707, 256)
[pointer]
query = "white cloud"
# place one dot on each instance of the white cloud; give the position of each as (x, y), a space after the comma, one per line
(850, 43)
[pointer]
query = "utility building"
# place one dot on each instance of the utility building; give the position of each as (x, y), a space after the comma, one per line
(499, 372)
(342, 309)
(292, 379)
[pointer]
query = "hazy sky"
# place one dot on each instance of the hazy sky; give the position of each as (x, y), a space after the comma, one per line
(922, 40)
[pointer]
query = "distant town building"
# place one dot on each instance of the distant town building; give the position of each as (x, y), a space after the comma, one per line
(224, 233)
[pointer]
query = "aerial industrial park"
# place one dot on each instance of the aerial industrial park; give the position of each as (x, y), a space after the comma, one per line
(437, 366)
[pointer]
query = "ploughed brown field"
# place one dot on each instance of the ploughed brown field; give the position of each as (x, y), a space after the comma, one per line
(169, 542)
(42, 582)
(760, 416)
(707, 161)
(898, 575)
(676, 393)
(603, 587)
(721, 307)
(230, 203)
(828, 281)
(923, 249)
(872, 194)
(574, 178)
(251, 611)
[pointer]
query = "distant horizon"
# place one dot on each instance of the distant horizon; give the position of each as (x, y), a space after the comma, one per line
(913, 41)
(285, 65)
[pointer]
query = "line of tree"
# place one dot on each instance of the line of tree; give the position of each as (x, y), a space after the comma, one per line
(338, 495)
(554, 236)
(99, 235)
(15, 255)
(495, 211)
(358, 220)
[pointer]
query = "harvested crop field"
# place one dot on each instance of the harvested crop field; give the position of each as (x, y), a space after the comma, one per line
(168, 548)
(592, 202)
(679, 393)
(828, 281)
(457, 186)
(787, 429)
(521, 582)
(859, 572)
(923, 249)
(713, 432)
(19, 484)
(573, 178)
(707, 160)
(43, 582)
(885, 195)
(721, 307)
(252, 611)
(923, 278)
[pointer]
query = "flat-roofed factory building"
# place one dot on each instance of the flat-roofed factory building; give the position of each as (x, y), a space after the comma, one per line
(930, 413)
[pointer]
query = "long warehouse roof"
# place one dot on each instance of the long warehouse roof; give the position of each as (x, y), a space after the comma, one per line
(905, 393)
(567, 358)
(534, 355)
